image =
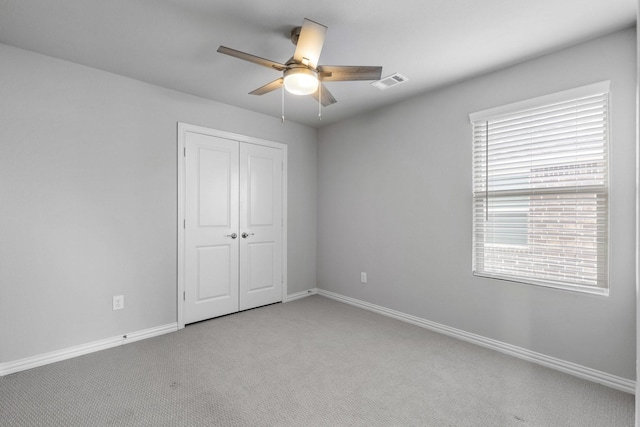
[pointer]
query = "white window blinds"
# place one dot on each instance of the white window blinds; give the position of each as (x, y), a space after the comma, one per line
(540, 191)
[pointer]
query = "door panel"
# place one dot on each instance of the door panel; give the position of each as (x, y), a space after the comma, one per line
(261, 222)
(214, 191)
(214, 275)
(260, 266)
(211, 216)
(261, 192)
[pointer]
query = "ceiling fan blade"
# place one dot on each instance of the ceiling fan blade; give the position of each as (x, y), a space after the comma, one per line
(327, 97)
(252, 58)
(269, 87)
(310, 43)
(335, 73)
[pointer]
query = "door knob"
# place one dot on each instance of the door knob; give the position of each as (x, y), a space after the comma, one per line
(232, 235)
(245, 235)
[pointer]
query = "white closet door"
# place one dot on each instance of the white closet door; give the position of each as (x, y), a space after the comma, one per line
(261, 225)
(233, 230)
(211, 221)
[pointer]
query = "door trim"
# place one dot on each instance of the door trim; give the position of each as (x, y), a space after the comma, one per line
(183, 128)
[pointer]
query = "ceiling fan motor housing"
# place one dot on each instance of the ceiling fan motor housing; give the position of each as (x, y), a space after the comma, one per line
(294, 35)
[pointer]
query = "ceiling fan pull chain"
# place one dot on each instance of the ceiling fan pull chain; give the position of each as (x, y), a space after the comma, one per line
(320, 100)
(282, 103)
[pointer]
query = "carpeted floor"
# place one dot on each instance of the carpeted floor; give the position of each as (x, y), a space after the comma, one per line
(311, 362)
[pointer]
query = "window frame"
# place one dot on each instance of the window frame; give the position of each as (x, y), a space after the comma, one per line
(511, 110)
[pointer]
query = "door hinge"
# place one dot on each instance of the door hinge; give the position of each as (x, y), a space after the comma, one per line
(185, 152)
(184, 223)
(184, 295)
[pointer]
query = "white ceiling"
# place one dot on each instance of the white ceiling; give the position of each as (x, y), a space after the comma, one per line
(172, 43)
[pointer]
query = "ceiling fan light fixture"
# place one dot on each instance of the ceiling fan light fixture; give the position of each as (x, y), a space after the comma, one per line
(301, 81)
(302, 74)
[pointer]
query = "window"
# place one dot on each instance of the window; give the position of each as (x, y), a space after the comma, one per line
(540, 191)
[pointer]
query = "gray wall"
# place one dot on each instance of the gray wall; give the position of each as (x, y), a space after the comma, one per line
(394, 200)
(88, 200)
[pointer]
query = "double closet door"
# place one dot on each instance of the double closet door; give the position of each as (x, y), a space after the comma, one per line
(233, 226)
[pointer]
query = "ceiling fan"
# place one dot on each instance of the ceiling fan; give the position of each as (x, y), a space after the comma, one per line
(301, 74)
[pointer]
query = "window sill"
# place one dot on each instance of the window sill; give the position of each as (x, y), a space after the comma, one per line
(591, 290)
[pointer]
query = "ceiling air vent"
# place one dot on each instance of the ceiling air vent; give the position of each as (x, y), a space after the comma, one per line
(392, 80)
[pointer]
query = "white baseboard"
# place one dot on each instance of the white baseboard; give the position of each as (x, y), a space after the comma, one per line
(584, 372)
(301, 294)
(618, 383)
(82, 349)
(79, 350)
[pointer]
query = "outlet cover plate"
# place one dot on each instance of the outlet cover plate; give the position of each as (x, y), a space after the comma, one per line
(118, 302)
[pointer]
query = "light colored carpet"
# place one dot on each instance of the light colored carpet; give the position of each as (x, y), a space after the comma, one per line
(311, 362)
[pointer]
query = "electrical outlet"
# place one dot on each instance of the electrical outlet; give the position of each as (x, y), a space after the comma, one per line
(118, 302)
(363, 277)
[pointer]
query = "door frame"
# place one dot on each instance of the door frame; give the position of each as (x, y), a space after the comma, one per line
(183, 128)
